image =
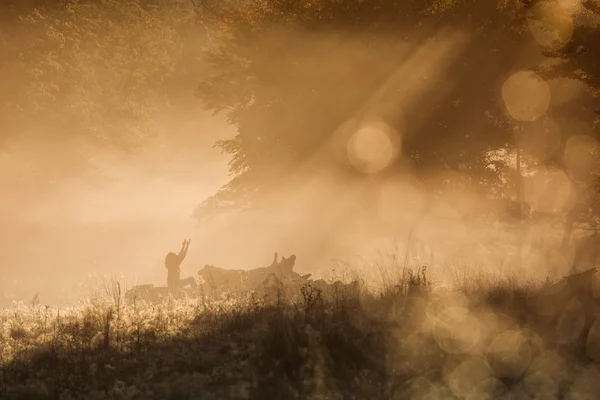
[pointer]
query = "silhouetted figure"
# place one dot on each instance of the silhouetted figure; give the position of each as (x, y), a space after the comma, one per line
(173, 262)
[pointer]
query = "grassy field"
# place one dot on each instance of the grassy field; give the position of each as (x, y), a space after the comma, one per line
(407, 341)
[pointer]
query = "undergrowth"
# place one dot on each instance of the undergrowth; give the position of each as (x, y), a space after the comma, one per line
(408, 341)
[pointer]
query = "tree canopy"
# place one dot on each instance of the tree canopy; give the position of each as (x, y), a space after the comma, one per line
(295, 76)
(96, 68)
(79, 76)
(289, 74)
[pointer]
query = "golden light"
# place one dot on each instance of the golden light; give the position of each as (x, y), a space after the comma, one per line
(339, 140)
(546, 372)
(423, 388)
(509, 354)
(551, 24)
(400, 202)
(566, 90)
(526, 96)
(372, 147)
(571, 5)
(581, 156)
(542, 139)
(548, 190)
(456, 192)
(466, 378)
(450, 330)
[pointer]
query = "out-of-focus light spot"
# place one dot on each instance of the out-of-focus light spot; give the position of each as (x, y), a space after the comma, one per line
(549, 368)
(570, 323)
(551, 24)
(540, 384)
(570, 5)
(423, 388)
(542, 139)
(586, 382)
(548, 190)
(372, 147)
(468, 375)
(534, 341)
(581, 157)
(340, 137)
(565, 90)
(509, 354)
(526, 96)
(456, 192)
(456, 330)
(492, 388)
(490, 324)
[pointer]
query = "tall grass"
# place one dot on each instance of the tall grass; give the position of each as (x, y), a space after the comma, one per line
(410, 339)
(410, 323)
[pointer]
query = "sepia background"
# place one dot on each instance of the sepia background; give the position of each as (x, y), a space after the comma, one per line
(347, 140)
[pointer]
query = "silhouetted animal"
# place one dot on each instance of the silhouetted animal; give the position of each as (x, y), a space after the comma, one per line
(216, 281)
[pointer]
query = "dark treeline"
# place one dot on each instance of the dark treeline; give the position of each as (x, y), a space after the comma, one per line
(290, 75)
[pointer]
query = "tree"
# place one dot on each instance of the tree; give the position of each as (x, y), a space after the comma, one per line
(101, 69)
(279, 70)
(578, 51)
(291, 73)
(79, 74)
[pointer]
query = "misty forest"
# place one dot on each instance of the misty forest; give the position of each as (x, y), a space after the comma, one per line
(299, 199)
